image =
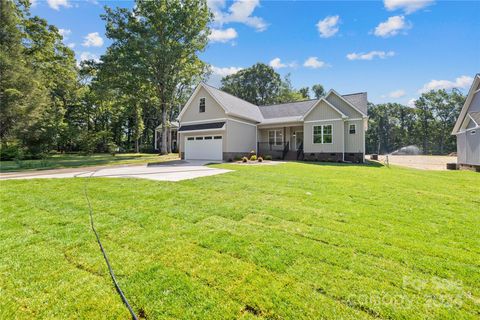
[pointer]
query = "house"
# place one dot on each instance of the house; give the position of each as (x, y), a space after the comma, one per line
(171, 137)
(467, 129)
(215, 125)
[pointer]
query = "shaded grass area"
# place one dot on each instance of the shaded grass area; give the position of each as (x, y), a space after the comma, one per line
(292, 241)
(77, 160)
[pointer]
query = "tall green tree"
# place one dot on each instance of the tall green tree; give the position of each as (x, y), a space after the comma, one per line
(259, 84)
(318, 91)
(157, 42)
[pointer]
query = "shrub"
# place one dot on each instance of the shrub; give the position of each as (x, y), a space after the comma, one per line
(253, 157)
(268, 157)
(244, 159)
(237, 158)
(260, 159)
(11, 151)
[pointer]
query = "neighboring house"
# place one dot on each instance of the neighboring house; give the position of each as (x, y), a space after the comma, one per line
(215, 125)
(467, 128)
(171, 138)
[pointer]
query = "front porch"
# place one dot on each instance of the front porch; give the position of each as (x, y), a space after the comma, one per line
(281, 142)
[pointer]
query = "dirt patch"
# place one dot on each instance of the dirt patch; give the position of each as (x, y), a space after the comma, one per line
(419, 162)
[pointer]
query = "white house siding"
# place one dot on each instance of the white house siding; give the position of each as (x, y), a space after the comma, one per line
(241, 136)
(344, 107)
(212, 109)
(354, 143)
(336, 146)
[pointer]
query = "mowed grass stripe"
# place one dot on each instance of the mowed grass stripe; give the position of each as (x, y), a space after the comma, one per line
(250, 244)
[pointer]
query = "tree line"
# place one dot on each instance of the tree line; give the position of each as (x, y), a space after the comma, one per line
(51, 103)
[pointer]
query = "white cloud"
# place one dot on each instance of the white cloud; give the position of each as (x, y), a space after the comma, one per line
(397, 94)
(56, 4)
(460, 82)
(64, 33)
(328, 27)
(411, 103)
(71, 45)
(88, 56)
(408, 6)
(314, 63)
(225, 71)
(225, 35)
(93, 40)
(33, 3)
(240, 11)
(370, 55)
(393, 26)
(276, 63)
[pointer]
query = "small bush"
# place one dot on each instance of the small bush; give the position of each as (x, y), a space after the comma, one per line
(253, 158)
(268, 157)
(237, 158)
(244, 159)
(11, 151)
(260, 159)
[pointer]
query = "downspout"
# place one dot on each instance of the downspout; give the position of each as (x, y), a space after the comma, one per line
(343, 153)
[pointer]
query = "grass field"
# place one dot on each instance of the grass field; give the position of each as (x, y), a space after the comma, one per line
(77, 160)
(292, 241)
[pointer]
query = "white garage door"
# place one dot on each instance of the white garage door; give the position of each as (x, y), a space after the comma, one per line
(203, 148)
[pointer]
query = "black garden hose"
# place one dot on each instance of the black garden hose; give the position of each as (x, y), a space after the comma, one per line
(110, 270)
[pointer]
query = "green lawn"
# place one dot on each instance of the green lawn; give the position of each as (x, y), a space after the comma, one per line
(77, 160)
(292, 241)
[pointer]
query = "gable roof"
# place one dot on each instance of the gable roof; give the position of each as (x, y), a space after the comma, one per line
(466, 106)
(342, 115)
(233, 105)
(350, 104)
(291, 111)
(359, 100)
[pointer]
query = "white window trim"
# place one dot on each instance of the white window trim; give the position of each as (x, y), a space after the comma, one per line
(321, 131)
(354, 128)
(200, 99)
(275, 137)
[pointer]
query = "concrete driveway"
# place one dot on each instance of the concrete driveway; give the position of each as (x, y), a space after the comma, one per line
(163, 171)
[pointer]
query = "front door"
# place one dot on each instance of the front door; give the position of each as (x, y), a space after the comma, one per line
(298, 139)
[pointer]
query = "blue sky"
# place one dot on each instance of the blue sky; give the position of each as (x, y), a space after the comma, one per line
(393, 49)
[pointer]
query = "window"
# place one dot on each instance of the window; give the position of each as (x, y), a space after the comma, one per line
(190, 138)
(327, 133)
(323, 134)
(199, 138)
(352, 129)
(473, 132)
(201, 107)
(317, 134)
(217, 137)
(275, 137)
(208, 138)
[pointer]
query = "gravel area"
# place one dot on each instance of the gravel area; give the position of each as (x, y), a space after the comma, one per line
(419, 162)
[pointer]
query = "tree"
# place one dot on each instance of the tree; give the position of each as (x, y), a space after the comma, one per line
(259, 84)
(305, 92)
(158, 43)
(287, 92)
(318, 91)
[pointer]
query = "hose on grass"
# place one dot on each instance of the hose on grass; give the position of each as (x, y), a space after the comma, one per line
(110, 269)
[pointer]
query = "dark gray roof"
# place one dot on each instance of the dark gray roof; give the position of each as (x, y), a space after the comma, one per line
(475, 116)
(202, 126)
(235, 106)
(359, 100)
(290, 109)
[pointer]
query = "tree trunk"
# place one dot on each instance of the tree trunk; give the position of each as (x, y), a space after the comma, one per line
(137, 146)
(163, 148)
(169, 140)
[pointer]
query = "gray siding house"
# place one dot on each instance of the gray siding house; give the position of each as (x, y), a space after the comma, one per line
(467, 128)
(215, 125)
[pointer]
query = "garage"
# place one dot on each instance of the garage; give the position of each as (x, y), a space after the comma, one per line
(204, 147)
